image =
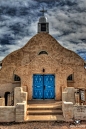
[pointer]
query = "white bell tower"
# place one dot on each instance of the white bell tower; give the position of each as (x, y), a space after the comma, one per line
(43, 25)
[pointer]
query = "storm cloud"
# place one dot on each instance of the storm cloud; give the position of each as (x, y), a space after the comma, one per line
(18, 23)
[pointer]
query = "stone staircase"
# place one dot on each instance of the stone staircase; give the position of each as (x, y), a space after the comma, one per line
(45, 112)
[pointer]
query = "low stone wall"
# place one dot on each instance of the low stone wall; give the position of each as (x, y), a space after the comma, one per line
(79, 112)
(13, 113)
(7, 113)
(73, 112)
(20, 112)
(20, 100)
(67, 108)
(2, 102)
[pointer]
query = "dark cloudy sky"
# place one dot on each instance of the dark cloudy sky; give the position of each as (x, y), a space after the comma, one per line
(18, 23)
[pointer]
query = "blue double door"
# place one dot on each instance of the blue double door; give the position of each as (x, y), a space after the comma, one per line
(44, 86)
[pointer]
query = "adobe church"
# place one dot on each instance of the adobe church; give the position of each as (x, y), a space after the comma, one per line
(42, 73)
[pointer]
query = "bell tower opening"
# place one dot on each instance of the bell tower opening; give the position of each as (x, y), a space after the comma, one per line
(43, 27)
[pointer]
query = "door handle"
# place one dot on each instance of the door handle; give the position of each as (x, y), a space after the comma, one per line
(44, 87)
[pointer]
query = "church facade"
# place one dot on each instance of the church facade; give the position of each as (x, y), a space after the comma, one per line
(43, 68)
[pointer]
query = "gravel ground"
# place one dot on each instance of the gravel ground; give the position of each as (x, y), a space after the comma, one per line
(42, 125)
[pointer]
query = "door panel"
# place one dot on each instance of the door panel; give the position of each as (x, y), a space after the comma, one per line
(43, 86)
(49, 83)
(37, 86)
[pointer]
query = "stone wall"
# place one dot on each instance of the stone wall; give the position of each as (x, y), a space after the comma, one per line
(7, 113)
(18, 112)
(73, 112)
(67, 108)
(8, 87)
(70, 105)
(13, 113)
(79, 112)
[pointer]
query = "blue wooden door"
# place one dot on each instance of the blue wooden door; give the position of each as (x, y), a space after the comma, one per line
(37, 86)
(43, 86)
(49, 86)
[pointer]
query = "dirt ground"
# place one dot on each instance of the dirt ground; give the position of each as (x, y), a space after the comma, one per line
(43, 125)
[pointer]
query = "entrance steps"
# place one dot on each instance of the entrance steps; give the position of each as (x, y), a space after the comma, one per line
(45, 112)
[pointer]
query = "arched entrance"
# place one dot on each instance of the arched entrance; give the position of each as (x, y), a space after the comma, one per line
(6, 97)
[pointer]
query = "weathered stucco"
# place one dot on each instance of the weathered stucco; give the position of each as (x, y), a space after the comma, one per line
(51, 67)
(60, 61)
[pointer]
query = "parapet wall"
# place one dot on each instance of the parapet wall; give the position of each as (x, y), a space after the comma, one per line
(79, 112)
(15, 113)
(7, 113)
(71, 109)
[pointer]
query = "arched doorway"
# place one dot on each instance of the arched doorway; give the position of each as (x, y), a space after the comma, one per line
(6, 97)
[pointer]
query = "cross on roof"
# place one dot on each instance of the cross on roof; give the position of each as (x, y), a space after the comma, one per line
(43, 11)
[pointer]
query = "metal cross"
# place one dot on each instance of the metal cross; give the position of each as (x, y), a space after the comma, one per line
(43, 11)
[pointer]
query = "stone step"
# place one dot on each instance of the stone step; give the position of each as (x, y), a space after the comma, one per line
(46, 107)
(44, 112)
(45, 118)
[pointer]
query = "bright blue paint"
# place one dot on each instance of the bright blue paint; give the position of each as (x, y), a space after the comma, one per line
(38, 86)
(39, 81)
(49, 83)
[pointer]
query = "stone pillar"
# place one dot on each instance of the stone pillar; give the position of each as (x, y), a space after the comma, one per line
(19, 95)
(20, 112)
(68, 111)
(68, 95)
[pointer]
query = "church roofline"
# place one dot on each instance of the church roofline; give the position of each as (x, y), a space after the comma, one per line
(42, 34)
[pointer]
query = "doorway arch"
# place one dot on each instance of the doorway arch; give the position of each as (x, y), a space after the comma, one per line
(6, 97)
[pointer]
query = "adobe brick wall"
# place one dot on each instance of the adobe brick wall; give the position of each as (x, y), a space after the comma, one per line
(79, 112)
(13, 113)
(8, 87)
(58, 61)
(20, 115)
(67, 108)
(36, 67)
(7, 113)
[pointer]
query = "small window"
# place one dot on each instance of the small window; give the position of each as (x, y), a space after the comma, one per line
(43, 27)
(70, 78)
(43, 52)
(16, 78)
